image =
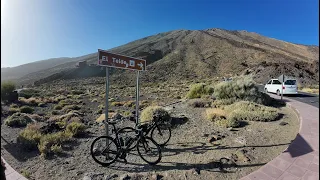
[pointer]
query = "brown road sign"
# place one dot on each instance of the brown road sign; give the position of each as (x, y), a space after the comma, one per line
(106, 58)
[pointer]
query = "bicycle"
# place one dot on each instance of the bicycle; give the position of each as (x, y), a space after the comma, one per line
(160, 131)
(118, 147)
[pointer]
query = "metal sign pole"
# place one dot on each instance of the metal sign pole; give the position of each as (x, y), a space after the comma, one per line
(137, 99)
(106, 111)
(282, 87)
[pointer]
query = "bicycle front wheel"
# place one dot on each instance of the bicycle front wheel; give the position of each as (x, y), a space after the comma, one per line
(161, 134)
(104, 150)
(149, 150)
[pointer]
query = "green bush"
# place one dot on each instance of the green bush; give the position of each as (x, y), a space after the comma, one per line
(28, 93)
(198, 90)
(55, 112)
(14, 106)
(75, 128)
(154, 112)
(71, 107)
(57, 107)
(223, 102)
(226, 123)
(13, 110)
(6, 89)
(29, 137)
(241, 89)
(244, 110)
(26, 109)
(18, 120)
(76, 92)
(47, 141)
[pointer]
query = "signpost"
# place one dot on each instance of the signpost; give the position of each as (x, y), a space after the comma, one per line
(108, 60)
(282, 78)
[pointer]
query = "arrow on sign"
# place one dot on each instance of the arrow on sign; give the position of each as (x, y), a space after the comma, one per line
(141, 65)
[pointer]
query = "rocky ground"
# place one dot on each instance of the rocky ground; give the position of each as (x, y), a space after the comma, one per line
(196, 150)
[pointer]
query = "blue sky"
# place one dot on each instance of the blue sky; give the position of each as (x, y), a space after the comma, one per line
(33, 30)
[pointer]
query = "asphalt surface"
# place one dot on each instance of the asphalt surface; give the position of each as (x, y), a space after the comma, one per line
(307, 98)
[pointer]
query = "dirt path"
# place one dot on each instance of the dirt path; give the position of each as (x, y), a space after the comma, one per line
(188, 151)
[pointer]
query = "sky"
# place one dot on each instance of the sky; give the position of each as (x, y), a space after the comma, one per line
(33, 30)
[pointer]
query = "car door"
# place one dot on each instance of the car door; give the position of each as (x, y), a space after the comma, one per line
(276, 85)
(267, 86)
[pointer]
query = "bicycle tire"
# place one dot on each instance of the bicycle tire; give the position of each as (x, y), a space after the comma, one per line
(128, 129)
(143, 140)
(92, 151)
(156, 129)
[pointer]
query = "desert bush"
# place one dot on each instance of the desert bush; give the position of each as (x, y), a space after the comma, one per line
(153, 113)
(42, 104)
(71, 107)
(53, 139)
(18, 120)
(198, 90)
(6, 89)
(244, 110)
(129, 104)
(76, 92)
(126, 113)
(116, 103)
(31, 101)
(214, 114)
(75, 128)
(28, 93)
(241, 89)
(223, 102)
(26, 109)
(94, 100)
(55, 112)
(30, 136)
(14, 106)
(56, 149)
(199, 103)
(25, 173)
(57, 107)
(226, 123)
(220, 118)
(13, 110)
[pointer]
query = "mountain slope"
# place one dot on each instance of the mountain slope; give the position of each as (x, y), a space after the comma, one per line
(184, 54)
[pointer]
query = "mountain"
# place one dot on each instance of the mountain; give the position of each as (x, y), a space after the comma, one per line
(197, 54)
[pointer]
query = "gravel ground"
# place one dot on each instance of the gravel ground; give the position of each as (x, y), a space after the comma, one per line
(188, 155)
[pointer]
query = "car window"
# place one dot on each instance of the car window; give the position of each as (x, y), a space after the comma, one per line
(290, 82)
(269, 82)
(276, 82)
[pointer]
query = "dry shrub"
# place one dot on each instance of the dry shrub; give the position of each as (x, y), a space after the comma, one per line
(30, 136)
(245, 110)
(241, 89)
(18, 120)
(198, 90)
(154, 113)
(31, 101)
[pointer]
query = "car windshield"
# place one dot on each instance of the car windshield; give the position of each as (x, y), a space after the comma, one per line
(290, 82)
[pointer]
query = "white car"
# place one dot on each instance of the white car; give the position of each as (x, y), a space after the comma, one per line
(289, 86)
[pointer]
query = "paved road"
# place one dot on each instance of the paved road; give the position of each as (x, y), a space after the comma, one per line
(307, 98)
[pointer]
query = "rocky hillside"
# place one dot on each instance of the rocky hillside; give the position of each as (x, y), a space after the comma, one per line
(186, 54)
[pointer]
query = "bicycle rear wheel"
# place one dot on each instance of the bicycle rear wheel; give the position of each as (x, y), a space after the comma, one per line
(101, 154)
(161, 134)
(149, 150)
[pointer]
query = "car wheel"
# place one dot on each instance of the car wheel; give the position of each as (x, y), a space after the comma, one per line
(278, 92)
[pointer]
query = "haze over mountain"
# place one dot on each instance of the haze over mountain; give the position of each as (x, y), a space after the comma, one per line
(193, 54)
